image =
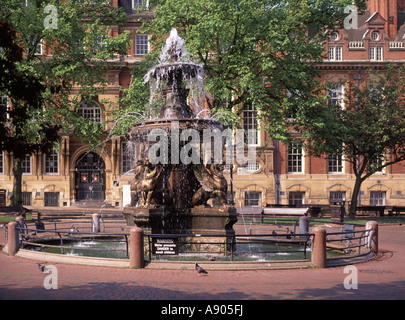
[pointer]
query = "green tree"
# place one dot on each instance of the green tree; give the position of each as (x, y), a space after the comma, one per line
(369, 130)
(254, 51)
(40, 86)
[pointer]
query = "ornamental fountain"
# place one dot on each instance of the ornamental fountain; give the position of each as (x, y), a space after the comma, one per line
(176, 176)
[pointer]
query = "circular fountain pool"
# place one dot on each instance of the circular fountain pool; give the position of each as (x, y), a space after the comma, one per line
(117, 248)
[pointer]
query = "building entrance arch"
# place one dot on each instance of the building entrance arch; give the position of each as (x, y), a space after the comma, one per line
(90, 177)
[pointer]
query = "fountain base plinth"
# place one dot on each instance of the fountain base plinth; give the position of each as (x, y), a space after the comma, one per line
(197, 220)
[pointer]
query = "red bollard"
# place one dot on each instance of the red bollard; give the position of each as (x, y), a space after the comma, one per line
(319, 248)
(136, 250)
(13, 238)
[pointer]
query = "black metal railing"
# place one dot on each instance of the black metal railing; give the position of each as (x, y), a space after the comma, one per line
(64, 236)
(228, 246)
(353, 243)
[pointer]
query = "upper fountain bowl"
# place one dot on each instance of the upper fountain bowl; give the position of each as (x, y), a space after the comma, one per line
(173, 60)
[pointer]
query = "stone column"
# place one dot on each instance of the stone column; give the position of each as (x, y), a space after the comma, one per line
(319, 248)
(95, 223)
(13, 238)
(372, 241)
(136, 250)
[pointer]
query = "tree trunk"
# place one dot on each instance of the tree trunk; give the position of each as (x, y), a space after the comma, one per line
(16, 198)
(355, 195)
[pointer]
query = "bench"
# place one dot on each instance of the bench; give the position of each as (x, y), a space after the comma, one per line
(273, 211)
(286, 211)
(375, 209)
(11, 209)
(397, 210)
(249, 210)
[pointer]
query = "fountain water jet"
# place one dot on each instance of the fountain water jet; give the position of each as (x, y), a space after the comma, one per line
(170, 196)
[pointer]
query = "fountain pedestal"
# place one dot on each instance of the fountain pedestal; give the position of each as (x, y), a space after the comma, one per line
(197, 220)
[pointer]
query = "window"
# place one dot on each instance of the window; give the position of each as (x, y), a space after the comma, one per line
(252, 166)
(51, 163)
(51, 199)
(251, 125)
(376, 53)
(91, 111)
(127, 160)
(295, 158)
(335, 53)
(294, 97)
(100, 45)
(377, 198)
(377, 164)
(26, 198)
(141, 44)
(37, 47)
(140, 4)
(335, 36)
(1, 162)
(336, 96)
(253, 199)
(26, 164)
(296, 198)
(375, 36)
(335, 163)
(336, 197)
(4, 108)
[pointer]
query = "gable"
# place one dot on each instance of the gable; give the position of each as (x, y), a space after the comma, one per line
(376, 19)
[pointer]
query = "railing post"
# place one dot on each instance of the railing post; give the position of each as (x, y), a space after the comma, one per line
(319, 248)
(95, 223)
(13, 238)
(372, 240)
(136, 249)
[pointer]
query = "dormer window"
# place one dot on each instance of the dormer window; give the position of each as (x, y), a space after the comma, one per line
(375, 36)
(335, 36)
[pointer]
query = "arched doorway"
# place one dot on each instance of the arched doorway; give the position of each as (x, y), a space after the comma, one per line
(90, 177)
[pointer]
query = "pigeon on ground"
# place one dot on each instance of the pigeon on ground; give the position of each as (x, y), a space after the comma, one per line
(200, 270)
(41, 267)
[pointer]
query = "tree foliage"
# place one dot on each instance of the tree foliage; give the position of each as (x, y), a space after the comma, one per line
(45, 89)
(254, 52)
(369, 130)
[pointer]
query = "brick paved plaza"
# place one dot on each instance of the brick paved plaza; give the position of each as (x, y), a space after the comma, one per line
(383, 278)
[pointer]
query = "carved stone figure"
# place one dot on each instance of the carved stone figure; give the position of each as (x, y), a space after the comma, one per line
(213, 184)
(154, 190)
(136, 183)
